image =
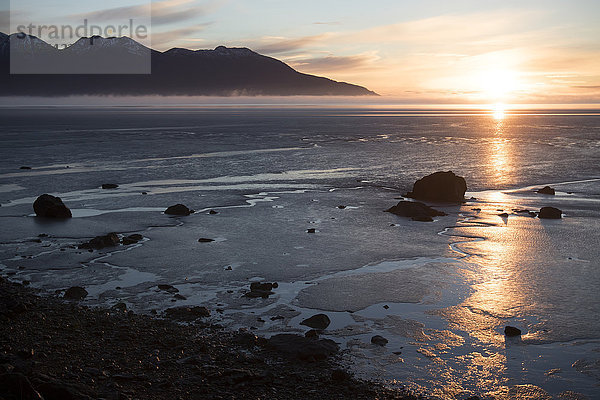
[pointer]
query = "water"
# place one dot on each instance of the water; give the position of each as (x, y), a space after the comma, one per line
(440, 292)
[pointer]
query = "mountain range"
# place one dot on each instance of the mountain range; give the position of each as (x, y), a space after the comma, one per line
(41, 69)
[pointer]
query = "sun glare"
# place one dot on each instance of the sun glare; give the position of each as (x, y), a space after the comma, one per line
(498, 84)
(498, 111)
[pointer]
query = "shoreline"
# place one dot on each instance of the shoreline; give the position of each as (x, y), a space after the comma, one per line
(62, 349)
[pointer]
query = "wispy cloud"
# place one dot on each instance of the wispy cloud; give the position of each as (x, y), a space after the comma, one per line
(335, 63)
(162, 12)
(284, 45)
(166, 39)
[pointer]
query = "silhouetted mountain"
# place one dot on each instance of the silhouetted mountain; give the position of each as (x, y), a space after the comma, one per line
(222, 71)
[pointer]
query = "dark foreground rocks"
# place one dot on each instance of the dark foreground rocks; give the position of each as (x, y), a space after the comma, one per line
(415, 210)
(443, 187)
(75, 293)
(550, 213)
(49, 206)
(178, 209)
(74, 352)
(303, 348)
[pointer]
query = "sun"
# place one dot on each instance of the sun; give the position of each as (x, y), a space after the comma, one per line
(497, 85)
(498, 111)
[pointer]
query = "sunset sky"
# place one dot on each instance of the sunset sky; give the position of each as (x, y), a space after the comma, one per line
(420, 51)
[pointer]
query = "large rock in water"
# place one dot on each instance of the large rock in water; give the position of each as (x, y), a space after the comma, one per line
(178, 209)
(318, 321)
(444, 187)
(550, 213)
(415, 210)
(51, 207)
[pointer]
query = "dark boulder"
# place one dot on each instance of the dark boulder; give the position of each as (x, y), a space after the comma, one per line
(213, 212)
(178, 209)
(187, 313)
(379, 340)
(318, 321)
(550, 213)
(109, 186)
(49, 206)
(25, 167)
(546, 190)
(100, 242)
(75, 293)
(205, 240)
(511, 331)
(445, 187)
(302, 348)
(415, 210)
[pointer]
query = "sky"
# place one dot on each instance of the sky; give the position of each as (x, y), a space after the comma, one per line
(422, 52)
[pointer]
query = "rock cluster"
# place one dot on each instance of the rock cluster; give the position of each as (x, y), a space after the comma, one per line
(261, 289)
(100, 242)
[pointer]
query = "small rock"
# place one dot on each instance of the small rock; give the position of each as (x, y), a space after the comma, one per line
(25, 167)
(178, 209)
(100, 242)
(341, 207)
(212, 212)
(205, 240)
(168, 288)
(260, 289)
(49, 206)
(318, 321)
(109, 186)
(179, 297)
(132, 239)
(546, 190)
(503, 215)
(311, 230)
(511, 331)
(386, 306)
(75, 293)
(276, 318)
(550, 213)
(415, 210)
(379, 340)
(144, 193)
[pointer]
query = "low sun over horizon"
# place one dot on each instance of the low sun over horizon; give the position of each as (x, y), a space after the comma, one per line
(433, 52)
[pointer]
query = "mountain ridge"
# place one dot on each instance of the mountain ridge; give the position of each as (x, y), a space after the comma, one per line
(223, 71)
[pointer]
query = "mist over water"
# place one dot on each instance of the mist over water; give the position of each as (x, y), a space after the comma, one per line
(449, 287)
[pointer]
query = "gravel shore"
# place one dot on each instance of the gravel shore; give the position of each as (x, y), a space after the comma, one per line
(51, 348)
